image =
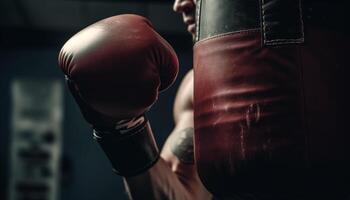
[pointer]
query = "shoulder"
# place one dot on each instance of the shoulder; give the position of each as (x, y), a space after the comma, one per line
(184, 97)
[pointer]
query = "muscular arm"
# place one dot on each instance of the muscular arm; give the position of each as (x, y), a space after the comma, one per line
(174, 176)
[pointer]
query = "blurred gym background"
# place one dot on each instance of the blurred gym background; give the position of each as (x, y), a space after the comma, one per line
(46, 148)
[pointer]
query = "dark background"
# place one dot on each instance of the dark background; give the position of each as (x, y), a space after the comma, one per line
(32, 33)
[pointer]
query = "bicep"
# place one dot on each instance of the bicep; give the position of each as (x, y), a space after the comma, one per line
(179, 145)
(178, 154)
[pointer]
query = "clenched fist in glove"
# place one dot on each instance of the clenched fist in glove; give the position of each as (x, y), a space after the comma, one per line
(115, 69)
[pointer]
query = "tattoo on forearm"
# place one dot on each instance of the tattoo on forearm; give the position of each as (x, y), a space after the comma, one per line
(182, 146)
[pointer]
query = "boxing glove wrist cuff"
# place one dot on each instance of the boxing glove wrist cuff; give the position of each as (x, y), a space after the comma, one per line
(130, 147)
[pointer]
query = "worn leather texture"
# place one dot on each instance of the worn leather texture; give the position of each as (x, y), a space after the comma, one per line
(226, 16)
(269, 100)
(280, 20)
(270, 121)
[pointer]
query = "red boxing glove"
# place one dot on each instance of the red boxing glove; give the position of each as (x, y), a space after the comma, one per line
(115, 69)
(119, 64)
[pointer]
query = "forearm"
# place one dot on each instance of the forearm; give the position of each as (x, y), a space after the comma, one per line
(159, 182)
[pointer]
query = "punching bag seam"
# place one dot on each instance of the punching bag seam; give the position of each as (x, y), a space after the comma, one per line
(266, 25)
(247, 31)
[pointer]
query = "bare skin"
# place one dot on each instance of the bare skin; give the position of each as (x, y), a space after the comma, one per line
(174, 176)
